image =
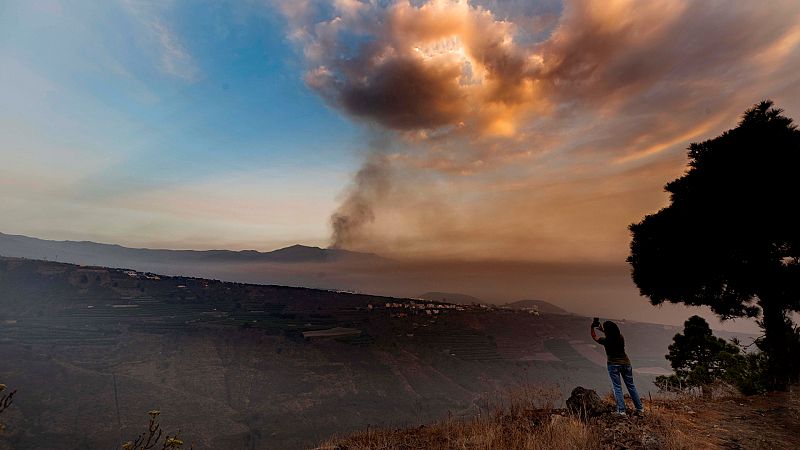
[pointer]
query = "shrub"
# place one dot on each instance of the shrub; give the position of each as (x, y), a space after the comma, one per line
(699, 358)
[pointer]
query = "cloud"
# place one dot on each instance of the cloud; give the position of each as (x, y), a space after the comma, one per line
(480, 93)
(174, 59)
(405, 67)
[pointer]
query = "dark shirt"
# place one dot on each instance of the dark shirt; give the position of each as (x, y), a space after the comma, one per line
(615, 351)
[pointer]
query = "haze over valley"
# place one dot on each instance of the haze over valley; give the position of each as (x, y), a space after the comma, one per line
(589, 289)
(411, 224)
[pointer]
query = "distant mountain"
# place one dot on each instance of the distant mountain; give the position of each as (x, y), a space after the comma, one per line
(87, 252)
(544, 307)
(450, 297)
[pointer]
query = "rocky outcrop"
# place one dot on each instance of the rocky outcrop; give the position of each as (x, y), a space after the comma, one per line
(585, 403)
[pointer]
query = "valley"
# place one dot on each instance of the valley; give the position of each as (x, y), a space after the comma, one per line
(234, 365)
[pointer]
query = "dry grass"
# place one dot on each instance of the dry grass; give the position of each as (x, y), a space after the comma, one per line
(672, 427)
(556, 433)
(525, 419)
(520, 419)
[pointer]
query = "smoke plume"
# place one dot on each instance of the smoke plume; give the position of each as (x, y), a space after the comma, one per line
(370, 186)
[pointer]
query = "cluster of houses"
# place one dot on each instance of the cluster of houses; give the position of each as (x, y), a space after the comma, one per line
(142, 275)
(412, 307)
(403, 309)
(533, 310)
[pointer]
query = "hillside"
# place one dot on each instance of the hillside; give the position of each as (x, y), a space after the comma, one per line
(541, 305)
(450, 297)
(467, 282)
(229, 363)
(687, 423)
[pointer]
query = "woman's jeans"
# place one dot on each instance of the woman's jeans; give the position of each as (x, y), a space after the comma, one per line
(615, 371)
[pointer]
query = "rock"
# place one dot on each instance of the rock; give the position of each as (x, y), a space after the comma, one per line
(586, 403)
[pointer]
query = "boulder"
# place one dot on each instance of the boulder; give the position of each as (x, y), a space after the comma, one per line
(585, 403)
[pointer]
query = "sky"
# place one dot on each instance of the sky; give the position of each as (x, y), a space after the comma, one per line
(163, 124)
(491, 130)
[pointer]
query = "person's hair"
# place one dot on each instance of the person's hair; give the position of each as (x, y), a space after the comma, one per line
(611, 331)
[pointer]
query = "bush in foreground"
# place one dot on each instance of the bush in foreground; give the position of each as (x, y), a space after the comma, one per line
(151, 439)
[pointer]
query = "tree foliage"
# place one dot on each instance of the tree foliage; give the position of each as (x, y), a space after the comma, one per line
(729, 238)
(699, 358)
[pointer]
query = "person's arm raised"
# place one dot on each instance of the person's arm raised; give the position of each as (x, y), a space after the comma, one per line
(594, 336)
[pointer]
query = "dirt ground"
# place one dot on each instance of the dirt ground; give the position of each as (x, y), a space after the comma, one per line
(770, 421)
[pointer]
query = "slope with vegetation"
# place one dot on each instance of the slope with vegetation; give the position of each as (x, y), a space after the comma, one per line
(727, 421)
(229, 365)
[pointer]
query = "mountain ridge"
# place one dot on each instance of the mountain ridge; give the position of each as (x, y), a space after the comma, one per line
(69, 250)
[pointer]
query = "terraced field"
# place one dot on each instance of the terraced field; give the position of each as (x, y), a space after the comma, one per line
(464, 344)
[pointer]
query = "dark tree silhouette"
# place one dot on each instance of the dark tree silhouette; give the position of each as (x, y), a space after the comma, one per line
(698, 357)
(730, 238)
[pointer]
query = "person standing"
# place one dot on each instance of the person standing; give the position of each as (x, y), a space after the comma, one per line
(619, 365)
